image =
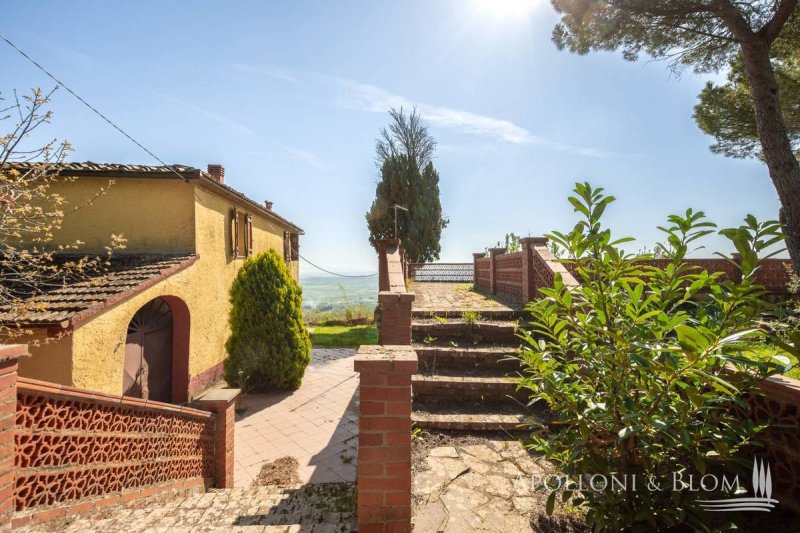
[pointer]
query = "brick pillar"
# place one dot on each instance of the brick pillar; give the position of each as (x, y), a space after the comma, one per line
(528, 280)
(9, 354)
(222, 403)
(494, 252)
(385, 246)
(475, 257)
(395, 317)
(384, 438)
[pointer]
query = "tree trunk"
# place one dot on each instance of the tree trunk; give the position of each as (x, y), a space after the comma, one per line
(781, 161)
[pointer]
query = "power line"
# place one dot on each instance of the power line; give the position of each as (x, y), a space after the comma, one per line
(140, 145)
(333, 273)
(87, 104)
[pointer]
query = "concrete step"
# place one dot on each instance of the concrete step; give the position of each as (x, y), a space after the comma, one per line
(475, 416)
(479, 387)
(479, 357)
(457, 314)
(468, 421)
(499, 332)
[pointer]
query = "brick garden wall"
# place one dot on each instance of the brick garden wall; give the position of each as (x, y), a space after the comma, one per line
(71, 445)
(780, 406)
(518, 276)
(483, 266)
(508, 273)
(65, 450)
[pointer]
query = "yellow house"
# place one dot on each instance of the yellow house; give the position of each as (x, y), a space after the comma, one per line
(155, 323)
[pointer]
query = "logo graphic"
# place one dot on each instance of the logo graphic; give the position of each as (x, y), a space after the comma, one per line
(762, 488)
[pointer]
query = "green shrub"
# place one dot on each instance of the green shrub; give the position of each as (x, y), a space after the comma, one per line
(645, 368)
(269, 344)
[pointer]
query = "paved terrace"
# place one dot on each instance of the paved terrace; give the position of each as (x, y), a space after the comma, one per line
(452, 299)
(316, 424)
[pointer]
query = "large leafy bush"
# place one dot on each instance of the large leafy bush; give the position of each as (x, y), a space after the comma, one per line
(645, 366)
(269, 345)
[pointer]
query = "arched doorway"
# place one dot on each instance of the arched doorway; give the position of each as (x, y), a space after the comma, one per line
(148, 353)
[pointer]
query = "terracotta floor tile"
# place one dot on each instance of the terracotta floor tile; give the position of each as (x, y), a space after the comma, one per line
(312, 423)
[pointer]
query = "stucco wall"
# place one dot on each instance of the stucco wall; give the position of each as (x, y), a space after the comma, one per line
(98, 345)
(51, 358)
(216, 269)
(154, 215)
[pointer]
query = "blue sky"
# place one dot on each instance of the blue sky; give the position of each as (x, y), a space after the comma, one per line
(289, 97)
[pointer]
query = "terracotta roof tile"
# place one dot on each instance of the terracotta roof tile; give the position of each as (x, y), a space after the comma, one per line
(126, 276)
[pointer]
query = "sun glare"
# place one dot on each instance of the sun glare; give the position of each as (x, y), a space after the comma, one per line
(505, 9)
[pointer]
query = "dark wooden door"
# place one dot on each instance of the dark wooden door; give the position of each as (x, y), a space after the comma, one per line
(148, 353)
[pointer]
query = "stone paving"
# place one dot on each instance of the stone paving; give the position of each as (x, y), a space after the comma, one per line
(449, 299)
(316, 508)
(317, 424)
(478, 487)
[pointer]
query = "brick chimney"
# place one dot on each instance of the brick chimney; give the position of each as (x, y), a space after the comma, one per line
(268, 205)
(217, 173)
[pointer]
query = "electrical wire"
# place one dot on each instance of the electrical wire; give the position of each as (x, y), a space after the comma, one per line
(140, 145)
(333, 273)
(87, 104)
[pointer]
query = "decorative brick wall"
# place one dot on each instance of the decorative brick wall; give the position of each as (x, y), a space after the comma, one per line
(72, 444)
(518, 276)
(384, 438)
(728, 269)
(65, 450)
(544, 266)
(780, 406)
(508, 272)
(445, 272)
(773, 274)
(483, 265)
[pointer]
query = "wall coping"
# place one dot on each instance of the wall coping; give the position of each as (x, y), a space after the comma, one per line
(221, 395)
(533, 240)
(13, 351)
(409, 296)
(391, 358)
(783, 384)
(34, 386)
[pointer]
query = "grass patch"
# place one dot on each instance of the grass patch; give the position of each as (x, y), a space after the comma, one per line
(349, 315)
(344, 336)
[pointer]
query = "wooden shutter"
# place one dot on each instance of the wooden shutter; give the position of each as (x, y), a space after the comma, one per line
(287, 255)
(248, 236)
(235, 233)
(294, 242)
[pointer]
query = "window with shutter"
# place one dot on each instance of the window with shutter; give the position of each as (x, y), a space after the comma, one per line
(235, 232)
(241, 234)
(287, 254)
(248, 223)
(294, 242)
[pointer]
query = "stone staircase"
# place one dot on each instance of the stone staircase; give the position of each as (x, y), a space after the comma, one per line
(467, 378)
